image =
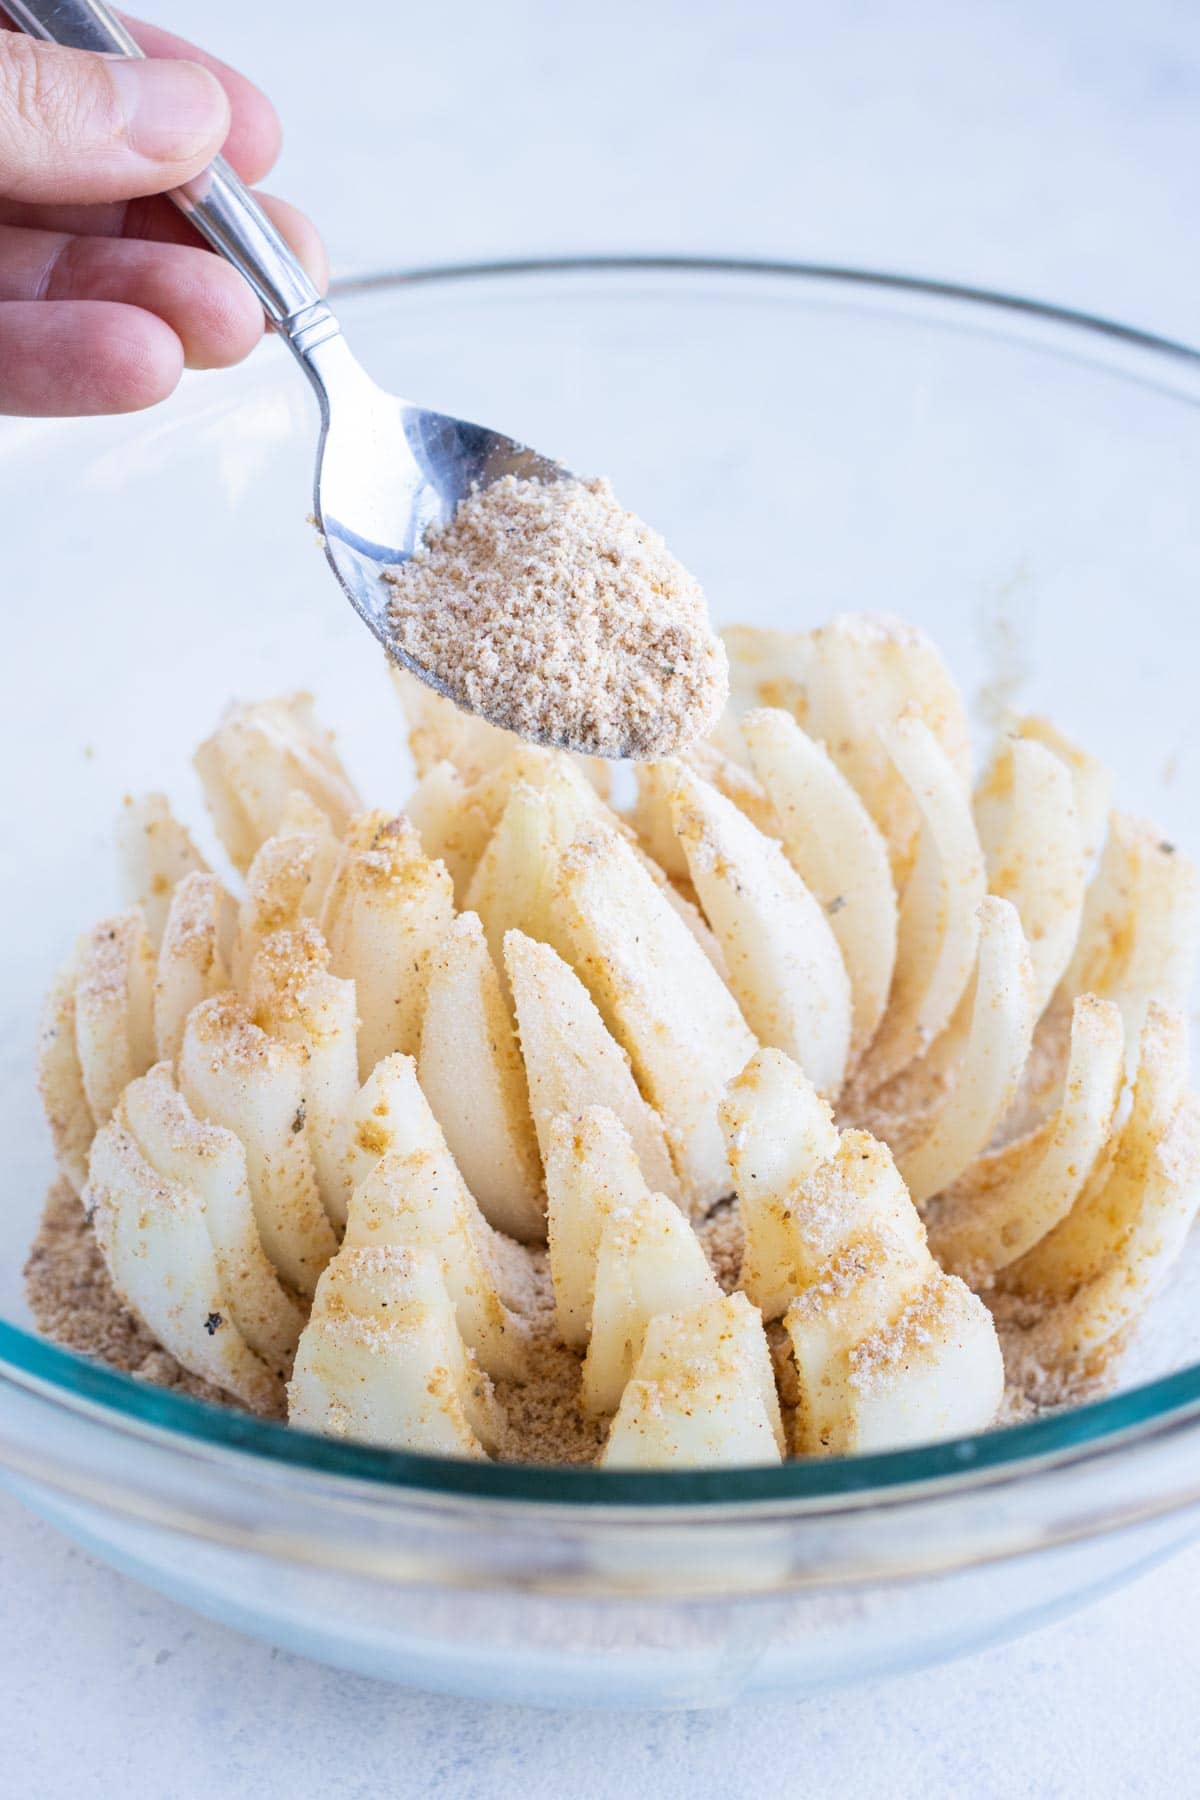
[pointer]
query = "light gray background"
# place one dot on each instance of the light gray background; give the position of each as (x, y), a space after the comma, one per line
(1049, 148)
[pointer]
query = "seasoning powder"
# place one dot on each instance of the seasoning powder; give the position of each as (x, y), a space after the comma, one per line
(555, 613)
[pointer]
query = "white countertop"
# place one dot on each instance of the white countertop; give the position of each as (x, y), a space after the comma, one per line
(107, 1690)
(1051, 150)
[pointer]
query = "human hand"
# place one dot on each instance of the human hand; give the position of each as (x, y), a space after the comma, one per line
(106, 294)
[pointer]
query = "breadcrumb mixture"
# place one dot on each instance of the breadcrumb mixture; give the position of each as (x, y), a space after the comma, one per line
(556, 613)
(544, 1416)
(74, 1303)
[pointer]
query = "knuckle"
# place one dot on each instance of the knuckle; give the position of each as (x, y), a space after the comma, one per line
(29, 87)
(48, 99)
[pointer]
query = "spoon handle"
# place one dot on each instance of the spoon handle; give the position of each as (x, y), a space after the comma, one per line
(220, 207)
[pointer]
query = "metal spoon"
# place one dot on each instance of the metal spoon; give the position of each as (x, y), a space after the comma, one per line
(386, 470)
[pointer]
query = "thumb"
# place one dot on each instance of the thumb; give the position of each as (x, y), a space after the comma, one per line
(75, 126)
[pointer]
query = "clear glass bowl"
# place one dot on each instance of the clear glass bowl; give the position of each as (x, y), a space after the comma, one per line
(1020, 481)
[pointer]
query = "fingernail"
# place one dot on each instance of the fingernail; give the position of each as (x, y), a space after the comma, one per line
(174, 111)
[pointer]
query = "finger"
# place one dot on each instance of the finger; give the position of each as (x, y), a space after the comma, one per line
(205, 302)
(80, 127)
(252, 145)
(158, 221)
(84, 356)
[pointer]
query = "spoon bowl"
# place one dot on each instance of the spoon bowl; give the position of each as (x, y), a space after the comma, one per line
(386, 472)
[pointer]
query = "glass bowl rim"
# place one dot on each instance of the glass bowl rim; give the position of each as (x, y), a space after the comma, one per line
(32, 1364)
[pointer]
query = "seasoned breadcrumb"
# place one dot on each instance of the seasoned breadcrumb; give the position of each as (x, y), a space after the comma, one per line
(556, 613)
